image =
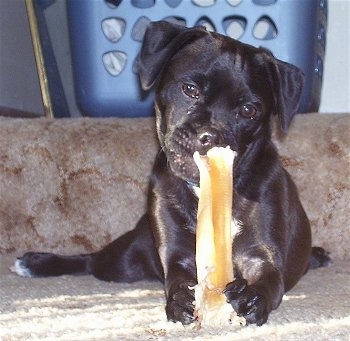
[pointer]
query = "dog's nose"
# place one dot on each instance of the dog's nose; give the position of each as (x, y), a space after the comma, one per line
(209, 139)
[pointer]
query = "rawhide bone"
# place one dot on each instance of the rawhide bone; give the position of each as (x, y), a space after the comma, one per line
(214, 238)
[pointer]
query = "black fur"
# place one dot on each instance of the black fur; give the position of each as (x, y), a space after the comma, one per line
(212, 91)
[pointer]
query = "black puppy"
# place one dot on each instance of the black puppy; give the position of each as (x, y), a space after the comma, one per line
(212, 91)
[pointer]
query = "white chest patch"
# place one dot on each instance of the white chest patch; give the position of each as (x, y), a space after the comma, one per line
(236, 227)
(196, 190)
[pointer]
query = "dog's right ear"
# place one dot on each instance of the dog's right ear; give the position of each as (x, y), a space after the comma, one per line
(161, 41)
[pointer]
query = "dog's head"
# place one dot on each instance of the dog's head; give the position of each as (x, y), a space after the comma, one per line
(213, 91)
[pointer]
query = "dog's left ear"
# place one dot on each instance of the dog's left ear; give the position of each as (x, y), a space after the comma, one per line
(287, 84)
(161, 41)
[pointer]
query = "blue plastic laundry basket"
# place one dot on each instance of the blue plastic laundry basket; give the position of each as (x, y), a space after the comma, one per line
(106, 36)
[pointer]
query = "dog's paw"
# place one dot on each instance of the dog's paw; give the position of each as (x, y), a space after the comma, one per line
(31, 264)
(21, 269)
(319, 258)
(247, 301)
(180, 303)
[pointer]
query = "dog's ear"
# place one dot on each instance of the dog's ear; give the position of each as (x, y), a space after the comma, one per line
(291, 80)
(161, 41)
(287, 83)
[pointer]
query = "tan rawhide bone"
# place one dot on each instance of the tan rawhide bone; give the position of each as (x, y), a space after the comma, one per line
(214, 238)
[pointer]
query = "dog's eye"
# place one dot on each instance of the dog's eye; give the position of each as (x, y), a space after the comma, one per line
(190, 90)
(248, 111)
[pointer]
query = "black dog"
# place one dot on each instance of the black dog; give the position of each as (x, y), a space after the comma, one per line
(212, 91)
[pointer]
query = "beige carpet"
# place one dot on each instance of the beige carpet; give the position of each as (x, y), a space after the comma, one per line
(83, 308)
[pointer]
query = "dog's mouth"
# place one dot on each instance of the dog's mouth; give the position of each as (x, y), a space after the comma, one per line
(181, 146)
(183, 166)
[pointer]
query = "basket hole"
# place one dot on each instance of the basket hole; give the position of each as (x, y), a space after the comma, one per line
(173, 3)
(207, 23)
(204, 3)
(139, 29)
(113, 3)
(176, 20)
(113, 28)
(264, 2)
(235, 26)
(143, 3)
(265, 29)
(234, 3)
(114, 62)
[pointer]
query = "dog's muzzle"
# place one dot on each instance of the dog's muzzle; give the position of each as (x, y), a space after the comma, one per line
(182, 144)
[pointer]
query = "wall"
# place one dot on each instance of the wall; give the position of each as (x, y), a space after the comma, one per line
(19, 84)
(336, 82)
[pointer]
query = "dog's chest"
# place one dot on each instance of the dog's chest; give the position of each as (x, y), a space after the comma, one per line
(236, 226)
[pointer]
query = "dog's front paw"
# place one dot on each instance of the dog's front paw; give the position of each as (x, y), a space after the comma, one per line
(180, 303)
(247, 301)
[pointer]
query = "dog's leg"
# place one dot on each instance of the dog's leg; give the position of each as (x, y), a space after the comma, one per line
(132, 257)
(319, 258)
(129, 258)
(179, 287)
(256, 291)
(43, 264)
(178, 261)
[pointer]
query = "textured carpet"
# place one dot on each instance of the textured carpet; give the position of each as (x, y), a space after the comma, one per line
(83, 308)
